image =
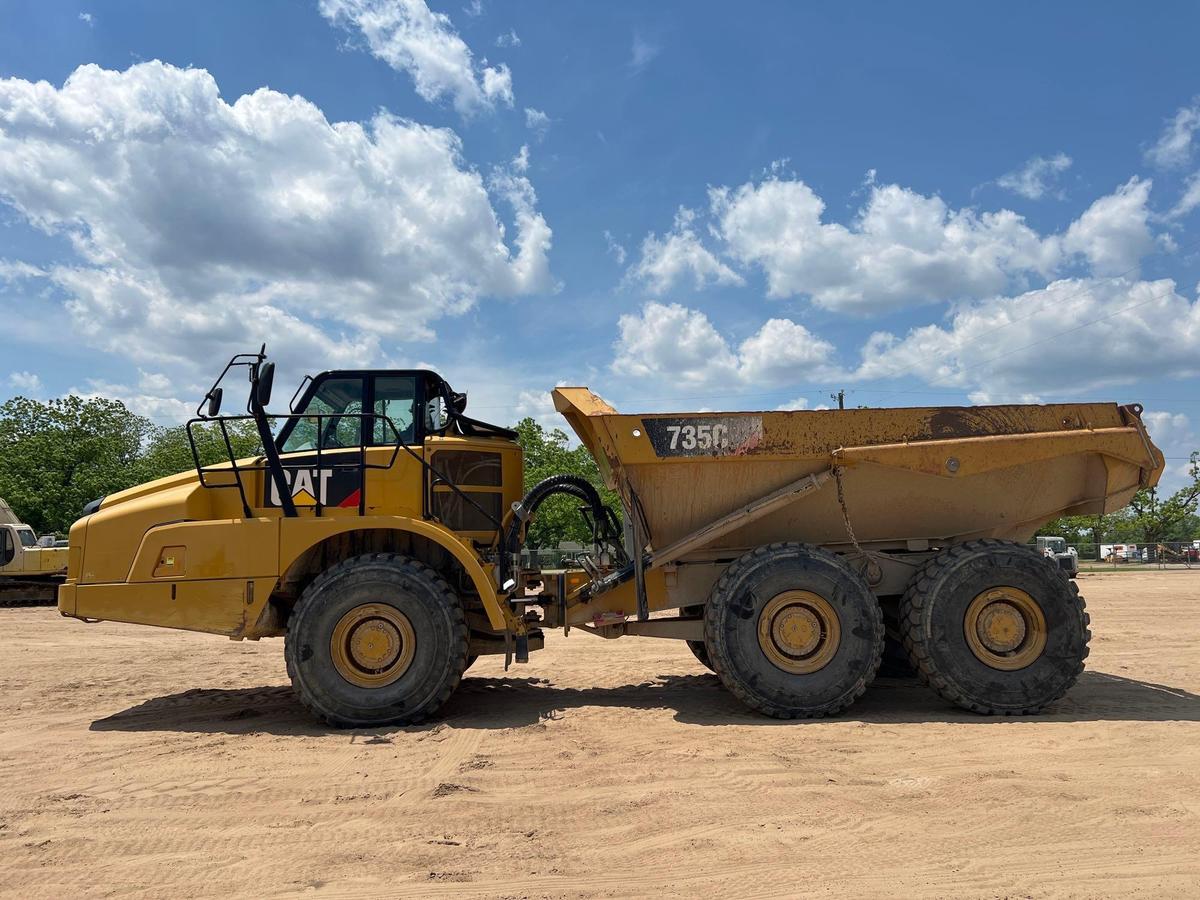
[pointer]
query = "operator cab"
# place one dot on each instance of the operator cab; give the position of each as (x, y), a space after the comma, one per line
(327, 411)
(343, 410)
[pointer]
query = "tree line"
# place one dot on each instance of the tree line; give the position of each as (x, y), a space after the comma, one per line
(58, 455)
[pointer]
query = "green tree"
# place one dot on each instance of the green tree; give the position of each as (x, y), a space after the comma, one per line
(1084, 532)
(167, 451)
(549, 453)
(1172, 519)
(58, 455)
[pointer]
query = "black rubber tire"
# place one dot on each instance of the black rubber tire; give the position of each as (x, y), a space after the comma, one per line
(931, 625)
(432, 608)
(731, 631)
(697, 647)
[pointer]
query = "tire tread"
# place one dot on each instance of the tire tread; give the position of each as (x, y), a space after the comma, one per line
(413, 567)
(712, 615)
(916, 643)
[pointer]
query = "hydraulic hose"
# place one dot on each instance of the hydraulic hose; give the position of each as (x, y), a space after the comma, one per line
(571, 485)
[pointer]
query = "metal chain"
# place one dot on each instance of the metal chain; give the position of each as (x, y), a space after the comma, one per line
(837, 474)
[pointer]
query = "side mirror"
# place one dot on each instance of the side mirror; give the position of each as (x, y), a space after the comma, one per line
(266, 378)
(435, 414)
(214, 401)
(459, 402)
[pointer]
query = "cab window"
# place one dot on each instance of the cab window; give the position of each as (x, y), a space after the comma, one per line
(339, 403)
(28, 538)
(395, 398)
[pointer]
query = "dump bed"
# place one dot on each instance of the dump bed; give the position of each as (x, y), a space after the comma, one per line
(907, 475)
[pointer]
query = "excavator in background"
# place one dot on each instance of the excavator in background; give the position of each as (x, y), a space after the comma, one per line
(29, 574)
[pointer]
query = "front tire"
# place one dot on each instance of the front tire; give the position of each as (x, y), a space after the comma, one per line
(995, 627)
(376, 640)
(793, 632)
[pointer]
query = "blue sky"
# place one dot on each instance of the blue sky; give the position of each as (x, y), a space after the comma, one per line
(682, 205)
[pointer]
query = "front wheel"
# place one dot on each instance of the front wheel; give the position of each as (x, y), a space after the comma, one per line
(376, 640)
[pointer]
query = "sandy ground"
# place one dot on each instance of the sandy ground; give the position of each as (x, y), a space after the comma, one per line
(142, 762)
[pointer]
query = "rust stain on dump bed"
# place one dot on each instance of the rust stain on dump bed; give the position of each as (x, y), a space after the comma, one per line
(962, 421)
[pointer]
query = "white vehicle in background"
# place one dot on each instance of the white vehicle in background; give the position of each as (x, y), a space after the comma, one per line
(1056, 548)
(1120, 553)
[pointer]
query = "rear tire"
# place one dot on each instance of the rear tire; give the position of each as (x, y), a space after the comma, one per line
(376, 640)
(793, 632)
(995, 627)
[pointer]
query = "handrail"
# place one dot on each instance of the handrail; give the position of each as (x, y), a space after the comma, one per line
(360, 464)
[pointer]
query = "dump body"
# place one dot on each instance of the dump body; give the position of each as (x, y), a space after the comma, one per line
(911, 478)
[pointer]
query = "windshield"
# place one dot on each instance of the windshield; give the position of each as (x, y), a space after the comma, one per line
(28, 538)
(335, 395)
(339, 403)
(1056, 544)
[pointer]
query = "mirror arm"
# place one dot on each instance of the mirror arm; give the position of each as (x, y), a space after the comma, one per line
(270, 452)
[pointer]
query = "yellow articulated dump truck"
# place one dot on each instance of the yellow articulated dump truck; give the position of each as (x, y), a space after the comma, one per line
(29, 573)
(380, 533)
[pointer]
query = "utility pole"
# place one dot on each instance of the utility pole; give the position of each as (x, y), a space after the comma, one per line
(840, 397)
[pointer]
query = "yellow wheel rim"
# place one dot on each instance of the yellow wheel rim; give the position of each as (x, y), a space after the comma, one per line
(799, 632)
(372, 645)
(1005, 628)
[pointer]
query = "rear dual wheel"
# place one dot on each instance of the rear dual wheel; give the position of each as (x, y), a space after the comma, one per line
(995, 627)
(793, 632)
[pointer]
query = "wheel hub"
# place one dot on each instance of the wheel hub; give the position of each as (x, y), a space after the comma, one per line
(1000, 627)
(1005, 628)
(799, 632)
(372, 645)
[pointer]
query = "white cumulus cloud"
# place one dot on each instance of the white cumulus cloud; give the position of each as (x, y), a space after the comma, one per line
(1175, 145)
(1037, 177)
(1072, 336)
(672, 344)
(155, 396)
(28, 383)
(1169, 428)
(902, 248)
(615, 249)
(411, 38)
(1114, 232)
(201, 225)
(536, 120)
(679, 255)
(1189, 200)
